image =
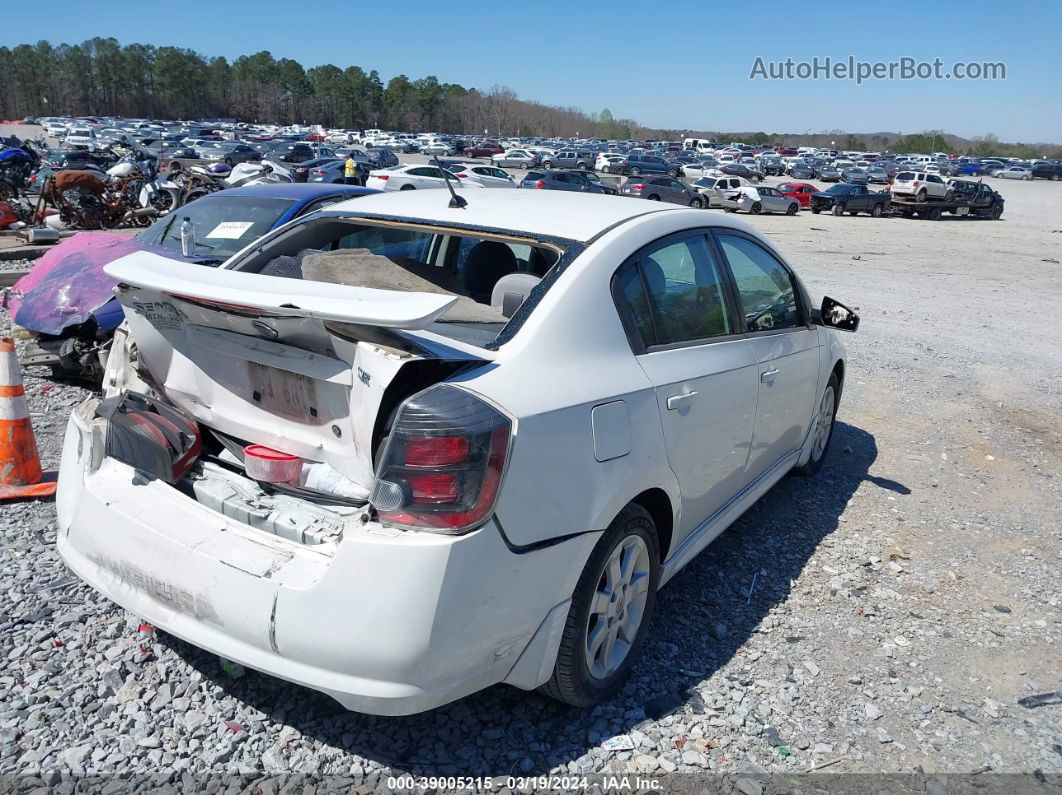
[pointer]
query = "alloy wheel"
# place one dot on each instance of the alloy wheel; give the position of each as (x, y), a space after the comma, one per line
(618, 607)
(823, 424)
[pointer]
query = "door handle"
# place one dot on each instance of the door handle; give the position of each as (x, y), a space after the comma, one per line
(768, 375)
(676, 402)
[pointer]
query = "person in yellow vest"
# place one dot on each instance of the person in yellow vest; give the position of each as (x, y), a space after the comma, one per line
(350, 170)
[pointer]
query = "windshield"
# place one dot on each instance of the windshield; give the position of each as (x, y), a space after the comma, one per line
(222, 224)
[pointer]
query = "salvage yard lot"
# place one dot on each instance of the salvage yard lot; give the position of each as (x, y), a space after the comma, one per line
(890, 613)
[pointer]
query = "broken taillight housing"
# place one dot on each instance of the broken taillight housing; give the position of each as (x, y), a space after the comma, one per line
(441, 468)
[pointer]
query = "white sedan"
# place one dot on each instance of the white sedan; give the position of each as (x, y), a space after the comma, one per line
(487, 176)
(412, 177)
(457, 447)
(760, 199)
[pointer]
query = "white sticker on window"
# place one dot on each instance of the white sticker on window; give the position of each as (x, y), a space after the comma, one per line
(231, 230)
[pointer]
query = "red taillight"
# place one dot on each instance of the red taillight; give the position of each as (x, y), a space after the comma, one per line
(442, 465)
(460, 176)
(540, 184)
(917, 183)
(433, 489)
(637, 187)
(435, 451)
(381, 176)
(318, 172)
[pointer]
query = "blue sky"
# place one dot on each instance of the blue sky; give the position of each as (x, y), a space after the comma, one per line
(682, 65)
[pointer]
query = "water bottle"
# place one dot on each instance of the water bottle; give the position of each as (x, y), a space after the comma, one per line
(187, 238)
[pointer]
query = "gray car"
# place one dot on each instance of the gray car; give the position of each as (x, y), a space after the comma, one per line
(877, 174)
(666, 189)
(570, 158)
(229, 154)
(854, 175)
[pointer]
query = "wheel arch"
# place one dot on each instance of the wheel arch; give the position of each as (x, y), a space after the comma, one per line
(838, 370)
(658, 504)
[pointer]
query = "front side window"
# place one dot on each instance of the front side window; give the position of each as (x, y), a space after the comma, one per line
(766, 292)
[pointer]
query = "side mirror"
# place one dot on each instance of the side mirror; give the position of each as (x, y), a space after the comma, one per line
(834, 314)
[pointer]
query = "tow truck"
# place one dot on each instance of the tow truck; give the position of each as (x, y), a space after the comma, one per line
(968, 198)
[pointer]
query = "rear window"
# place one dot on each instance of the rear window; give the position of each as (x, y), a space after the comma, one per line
(905, 175)
(462, 263)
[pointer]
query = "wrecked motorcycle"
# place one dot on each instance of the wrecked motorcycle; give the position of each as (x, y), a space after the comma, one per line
(17, 165)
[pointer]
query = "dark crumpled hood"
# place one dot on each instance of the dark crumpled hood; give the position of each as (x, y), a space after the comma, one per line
(67, 285)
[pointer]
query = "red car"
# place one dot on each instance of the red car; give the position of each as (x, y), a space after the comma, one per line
(801, 191)
(483, 149)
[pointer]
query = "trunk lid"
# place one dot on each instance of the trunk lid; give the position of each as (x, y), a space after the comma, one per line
(301, 367)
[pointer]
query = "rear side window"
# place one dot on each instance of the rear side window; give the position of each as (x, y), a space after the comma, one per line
(674, 293)
(765, 289)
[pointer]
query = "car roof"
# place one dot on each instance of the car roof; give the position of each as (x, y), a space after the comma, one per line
(575, 216)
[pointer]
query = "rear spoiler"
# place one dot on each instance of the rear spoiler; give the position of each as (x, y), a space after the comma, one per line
(276, 295)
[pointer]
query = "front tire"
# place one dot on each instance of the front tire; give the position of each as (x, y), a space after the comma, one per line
(792, 209)
(697, 203)
(875, 211)
(610, 612)
(822, 428)
(838, 209)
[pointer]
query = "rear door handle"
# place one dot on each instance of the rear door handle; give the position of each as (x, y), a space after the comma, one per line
(768, 375)
(676, 402)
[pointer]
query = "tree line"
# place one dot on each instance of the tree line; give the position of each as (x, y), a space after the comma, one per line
(102, 77)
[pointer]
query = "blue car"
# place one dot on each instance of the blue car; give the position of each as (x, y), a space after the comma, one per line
(66, 302)
(638, 163)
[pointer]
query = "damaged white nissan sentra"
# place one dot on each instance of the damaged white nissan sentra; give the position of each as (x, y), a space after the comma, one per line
(399, 451)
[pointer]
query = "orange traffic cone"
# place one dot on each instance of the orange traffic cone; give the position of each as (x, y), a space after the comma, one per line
(20, 465)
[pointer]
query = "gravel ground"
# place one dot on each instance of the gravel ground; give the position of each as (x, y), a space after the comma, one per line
(899, 612)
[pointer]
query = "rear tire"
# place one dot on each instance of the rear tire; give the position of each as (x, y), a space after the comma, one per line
(822, 429)
(408, 187)
(653, 198)
(920, 196)
(756, 208)
(572, 681)
(636, 172)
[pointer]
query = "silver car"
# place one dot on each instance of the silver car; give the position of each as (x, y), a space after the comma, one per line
(759, 199)
(516, 158)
